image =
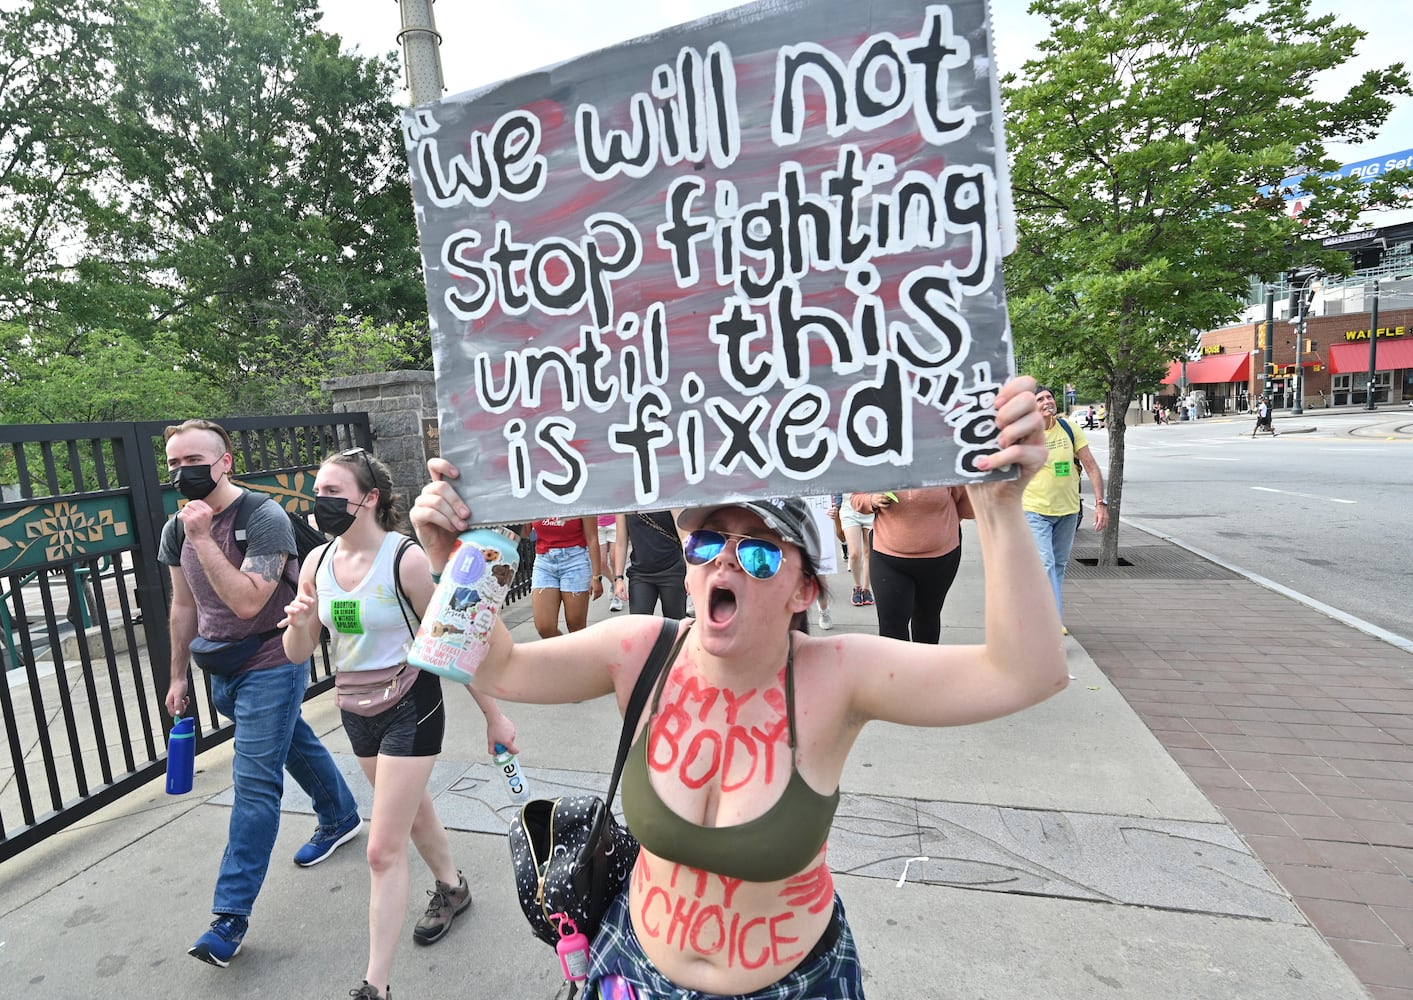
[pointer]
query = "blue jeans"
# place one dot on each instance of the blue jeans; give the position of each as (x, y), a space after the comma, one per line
(566, 570)
(1054, 537)
(270, 737)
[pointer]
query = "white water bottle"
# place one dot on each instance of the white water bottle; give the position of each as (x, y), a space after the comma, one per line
(509, 766)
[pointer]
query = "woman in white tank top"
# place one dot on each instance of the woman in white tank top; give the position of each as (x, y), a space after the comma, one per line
(369, 587)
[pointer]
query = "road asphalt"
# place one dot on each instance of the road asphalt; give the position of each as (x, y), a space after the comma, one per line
(1219, 806)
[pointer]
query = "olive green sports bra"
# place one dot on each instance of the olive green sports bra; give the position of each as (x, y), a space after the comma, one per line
(779, 843)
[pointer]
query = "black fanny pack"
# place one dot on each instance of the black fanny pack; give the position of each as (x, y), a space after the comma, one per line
(218, 656)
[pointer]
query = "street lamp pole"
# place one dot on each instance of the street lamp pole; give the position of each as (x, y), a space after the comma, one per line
(1373, 346)
(1270, 340)
(1295, 407)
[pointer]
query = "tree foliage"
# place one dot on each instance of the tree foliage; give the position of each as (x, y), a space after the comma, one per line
(197, 179)
(52, 218)
(1140, 137)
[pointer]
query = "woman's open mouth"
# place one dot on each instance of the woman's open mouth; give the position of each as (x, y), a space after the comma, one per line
(721, 605)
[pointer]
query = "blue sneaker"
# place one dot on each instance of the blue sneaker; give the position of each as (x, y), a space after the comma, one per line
(325, 839)
(222, 942)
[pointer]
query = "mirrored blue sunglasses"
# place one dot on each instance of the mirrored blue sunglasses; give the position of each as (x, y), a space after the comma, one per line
(759, 558)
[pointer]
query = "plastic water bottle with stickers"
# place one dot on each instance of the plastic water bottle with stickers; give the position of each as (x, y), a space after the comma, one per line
(456, 629)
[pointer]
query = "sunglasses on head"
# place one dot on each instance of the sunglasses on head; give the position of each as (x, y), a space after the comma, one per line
(759, 558)
(372, 476)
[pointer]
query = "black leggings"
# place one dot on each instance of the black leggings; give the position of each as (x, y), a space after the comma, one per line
(908, 594)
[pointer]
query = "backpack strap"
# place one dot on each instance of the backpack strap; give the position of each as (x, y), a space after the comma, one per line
(403, 601)
(1068, 430)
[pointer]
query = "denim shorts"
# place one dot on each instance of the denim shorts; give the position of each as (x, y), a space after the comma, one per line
(567, 570)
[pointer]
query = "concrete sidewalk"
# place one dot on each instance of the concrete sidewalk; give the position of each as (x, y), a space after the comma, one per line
(1059, 853)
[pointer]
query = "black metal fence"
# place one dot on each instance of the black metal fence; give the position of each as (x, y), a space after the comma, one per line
(83, 604)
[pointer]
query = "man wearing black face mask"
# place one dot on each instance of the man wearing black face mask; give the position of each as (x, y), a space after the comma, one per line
(225, 598)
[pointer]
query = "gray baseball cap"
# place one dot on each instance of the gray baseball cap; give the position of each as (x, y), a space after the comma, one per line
(789, 518)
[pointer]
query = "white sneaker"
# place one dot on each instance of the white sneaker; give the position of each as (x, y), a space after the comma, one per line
(615, 604)
(826, 619)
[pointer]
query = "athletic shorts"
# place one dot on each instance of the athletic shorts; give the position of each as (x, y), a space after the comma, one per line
(620, 970)
(411, 728)
(567, 570)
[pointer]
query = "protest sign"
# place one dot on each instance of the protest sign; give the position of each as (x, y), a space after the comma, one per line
(753, 255)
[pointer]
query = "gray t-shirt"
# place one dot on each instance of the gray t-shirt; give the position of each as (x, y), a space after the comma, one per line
(268, 531)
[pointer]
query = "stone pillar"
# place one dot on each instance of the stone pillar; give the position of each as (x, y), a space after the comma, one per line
(399, 404)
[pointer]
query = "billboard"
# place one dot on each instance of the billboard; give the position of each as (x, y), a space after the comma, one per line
(1297, 198)
(753, 255)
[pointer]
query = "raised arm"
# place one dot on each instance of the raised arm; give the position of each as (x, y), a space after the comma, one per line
(575, 667)
(301, 622)
(1022, 661)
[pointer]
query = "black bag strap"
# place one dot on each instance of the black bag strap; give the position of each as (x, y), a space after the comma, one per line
(403, 601)
(647, 677)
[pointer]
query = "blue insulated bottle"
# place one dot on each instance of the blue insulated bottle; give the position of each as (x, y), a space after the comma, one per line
(181, 756)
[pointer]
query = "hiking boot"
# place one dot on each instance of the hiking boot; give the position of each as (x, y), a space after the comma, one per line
(826, 619)
(222, 942)
(447, 902)
(857, 600)
(370, 992)
(325, 839)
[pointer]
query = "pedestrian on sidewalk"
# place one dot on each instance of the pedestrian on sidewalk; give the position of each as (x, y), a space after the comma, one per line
(568, 571)
(917, 547)
(858, 540)
(608, 532)
(1052, 504)
(647, 565)
(226, 597)
(368, 587)
(1263, 418)
(745, 844)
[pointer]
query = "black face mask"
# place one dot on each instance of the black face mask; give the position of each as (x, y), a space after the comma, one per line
(332, 515)
(193, 481)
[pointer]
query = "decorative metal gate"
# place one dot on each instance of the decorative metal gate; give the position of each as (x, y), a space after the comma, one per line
(83, 604)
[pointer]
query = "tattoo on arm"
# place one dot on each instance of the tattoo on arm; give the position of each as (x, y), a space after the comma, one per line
(270, 567)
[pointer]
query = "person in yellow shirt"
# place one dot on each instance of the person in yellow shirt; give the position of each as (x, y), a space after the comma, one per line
(1051, 501)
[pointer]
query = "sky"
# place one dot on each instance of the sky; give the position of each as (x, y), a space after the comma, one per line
(485, 41)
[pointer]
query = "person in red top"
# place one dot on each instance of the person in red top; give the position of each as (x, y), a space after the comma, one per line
(917, 547)
(568, 569)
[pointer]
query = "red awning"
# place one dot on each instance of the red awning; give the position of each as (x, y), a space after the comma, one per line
(1211, 370)
(1347, 358)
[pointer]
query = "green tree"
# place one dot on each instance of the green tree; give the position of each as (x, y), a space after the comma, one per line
(1140, 136)
(265, 170)
(283, 376)
(60, 267)
(103, 375)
